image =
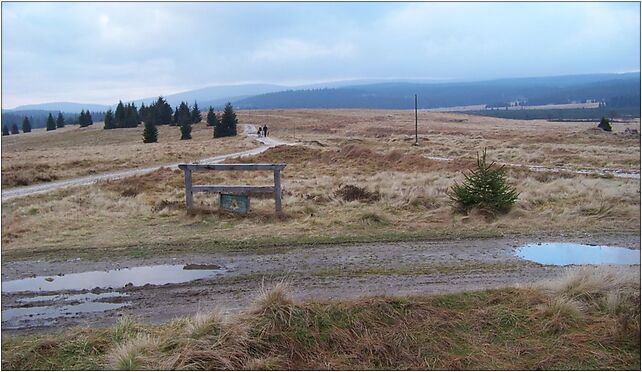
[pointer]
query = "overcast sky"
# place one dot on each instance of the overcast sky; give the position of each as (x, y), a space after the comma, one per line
(102, 52)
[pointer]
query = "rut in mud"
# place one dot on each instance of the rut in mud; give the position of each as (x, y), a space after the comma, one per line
(36, 296)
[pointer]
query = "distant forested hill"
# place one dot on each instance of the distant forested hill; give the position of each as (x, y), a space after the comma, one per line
(529, 91)
(610, 90)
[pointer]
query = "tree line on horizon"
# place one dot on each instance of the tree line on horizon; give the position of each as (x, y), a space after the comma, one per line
(129, 116)
(46, 120)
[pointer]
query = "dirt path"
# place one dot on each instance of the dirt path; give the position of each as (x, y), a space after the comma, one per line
(604, 172)
(249, 131)
(319, 272)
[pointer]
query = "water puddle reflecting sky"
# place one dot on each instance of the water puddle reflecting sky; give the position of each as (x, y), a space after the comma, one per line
(137, 276)
(51, 312)
(577, 254)
(47, 308)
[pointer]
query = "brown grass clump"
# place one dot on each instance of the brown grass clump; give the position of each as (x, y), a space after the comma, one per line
(24, 175)
(274, 306)
(134, 354)
(562, 313)
(605, 290)
(592, 285)
(205, 324)
(352, 193)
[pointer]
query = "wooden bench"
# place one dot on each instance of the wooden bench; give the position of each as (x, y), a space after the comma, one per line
(233, 189)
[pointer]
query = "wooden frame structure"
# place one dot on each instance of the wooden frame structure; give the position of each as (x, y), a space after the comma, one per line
(233, 189)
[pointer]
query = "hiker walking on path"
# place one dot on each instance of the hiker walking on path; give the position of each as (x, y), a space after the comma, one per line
(258, 132)
(265, 130)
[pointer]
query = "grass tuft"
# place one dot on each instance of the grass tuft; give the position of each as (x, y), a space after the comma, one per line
(372, 218)
(205, 324)
(133, 354)
(592, 284)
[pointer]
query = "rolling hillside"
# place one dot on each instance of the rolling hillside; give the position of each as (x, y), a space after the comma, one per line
(619, 93)
(534, 91)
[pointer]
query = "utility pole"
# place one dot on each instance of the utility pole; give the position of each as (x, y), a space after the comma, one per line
(416, 135)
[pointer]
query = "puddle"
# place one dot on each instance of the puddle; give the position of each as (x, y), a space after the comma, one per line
(137, 276)
(561, 254)
(51, 312)
(83, 297)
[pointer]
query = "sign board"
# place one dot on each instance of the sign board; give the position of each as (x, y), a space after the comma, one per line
(235, 203)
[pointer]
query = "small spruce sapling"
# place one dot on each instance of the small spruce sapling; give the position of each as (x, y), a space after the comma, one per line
(605, 125)
(150, 133)
(485, 187)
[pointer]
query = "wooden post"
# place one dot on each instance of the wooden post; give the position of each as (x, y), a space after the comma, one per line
(188, 188)
(234, 189)
(416, 135)
(277, 190)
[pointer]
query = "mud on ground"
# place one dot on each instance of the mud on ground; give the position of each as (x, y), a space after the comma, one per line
(315, 273)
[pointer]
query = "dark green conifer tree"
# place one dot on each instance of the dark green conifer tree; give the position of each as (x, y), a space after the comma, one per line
(175, 117)
(605, 125)
(196, 114)
(90, 121)
(51, 123)
(5, 130)
(136, 115)
(14, 129)
(150, 133)
(164, 111)
(26, 125)
(485, 187)
(85, 119)
(82, 119)
(109, 120)
(185, 121)
(142, 113)
(130, 118)
(227, 126)
(60, 121)
(211, 117)
(119, 115)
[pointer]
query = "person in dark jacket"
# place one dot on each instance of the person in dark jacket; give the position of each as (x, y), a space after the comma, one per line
(265, 130)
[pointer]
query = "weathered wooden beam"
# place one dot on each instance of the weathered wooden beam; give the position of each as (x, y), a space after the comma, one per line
(234, 189)
(277, 190)
(233, 167)
(188, 189)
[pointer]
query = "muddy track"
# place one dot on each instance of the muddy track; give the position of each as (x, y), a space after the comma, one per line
(319, 273)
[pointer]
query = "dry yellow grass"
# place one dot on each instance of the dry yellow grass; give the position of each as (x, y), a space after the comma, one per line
(148, 211)
(460, 136)
(71, 152)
